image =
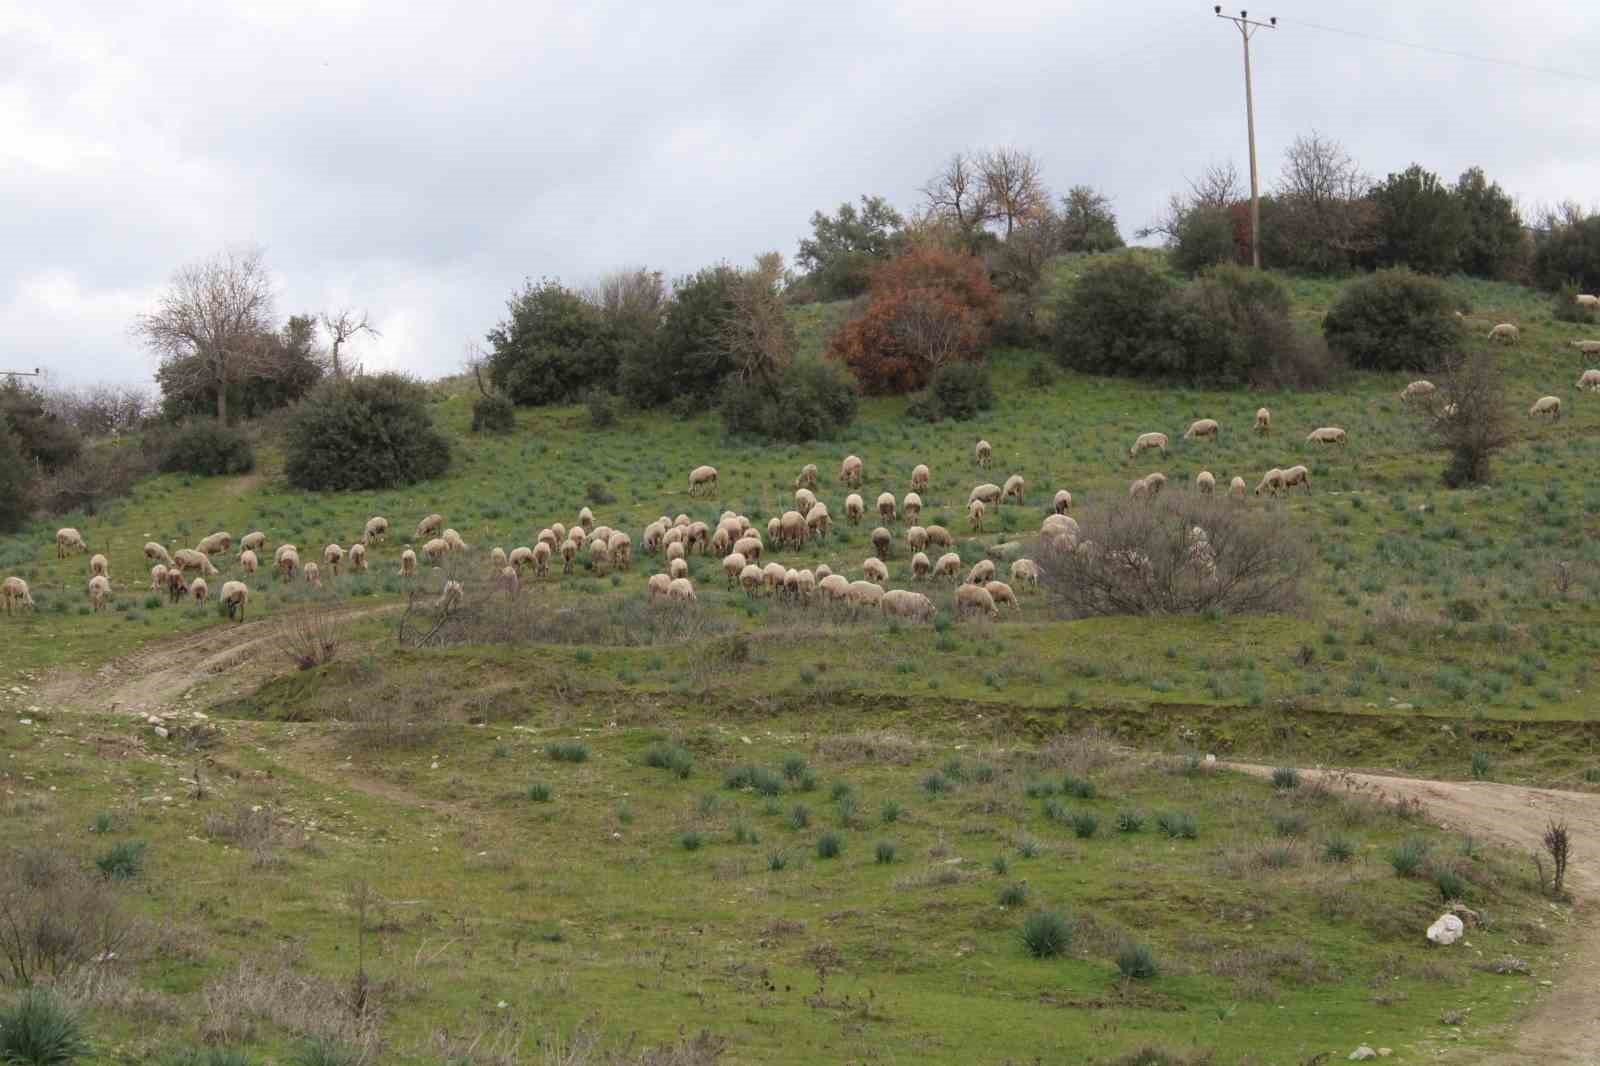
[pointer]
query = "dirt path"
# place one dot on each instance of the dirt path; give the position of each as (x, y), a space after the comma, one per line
(1564, 1025)
(157, 675)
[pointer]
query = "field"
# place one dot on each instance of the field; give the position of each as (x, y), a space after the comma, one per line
(478, 828)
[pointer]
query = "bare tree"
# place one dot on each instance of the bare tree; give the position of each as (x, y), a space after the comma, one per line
(1467, 417)
(1011, 178)
(1317, 170)
(212, 322)
(960, 194)
(633, 298)
(757, 335)
(342, 327)
(933, 327)
(1218, 186)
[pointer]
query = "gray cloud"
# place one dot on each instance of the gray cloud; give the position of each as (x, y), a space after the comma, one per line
(421, 163)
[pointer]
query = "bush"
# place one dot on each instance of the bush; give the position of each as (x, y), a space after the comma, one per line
(41, 1030)
(603, 409)
(686, 363)
(1567, 251)
(1084, 825)
(673, 757)
(1468, 417)
(1136, 962)
(884, 852)
(367, 432)
(573, 751)
(1407, 857)
(1130, 821)
(1286, 778)
(961, 390)
(1204, 239)
(208, 448)
(40, 435)
(122, 861)
(1392, 320)
(553, 346)
(1046, 934)
(1179, 825)
(1422, 224)
(1014, 894)
(829, 846)
(1451, 885)
(54, 918)
(1114, 319)
(1338, 849)
(18, 490)
(493, 412)
(811, 399)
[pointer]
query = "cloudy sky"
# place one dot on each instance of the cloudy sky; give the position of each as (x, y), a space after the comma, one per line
(420, 159)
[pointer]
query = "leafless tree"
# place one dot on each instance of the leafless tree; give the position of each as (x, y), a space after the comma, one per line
(960, 193)
(758, 336)
(100, 410)
(1013, 185)
(1317, 169)
(341, 327)
(1557, 842)
(213, 321)
(1019, 263)
(933, 328)
(1218, 186)
(1467, 417)
(633, 297)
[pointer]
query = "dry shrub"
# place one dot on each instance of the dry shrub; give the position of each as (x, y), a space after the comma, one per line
(245, 826)
(310, 638)
(503, 1044)
(878, 746)
(1082, 753)
(1257, 972)
(271, 990)
(55, 918)
(1137, 558)
(1467, 417)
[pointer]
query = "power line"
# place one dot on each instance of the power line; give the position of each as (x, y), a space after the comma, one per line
(1474, 57)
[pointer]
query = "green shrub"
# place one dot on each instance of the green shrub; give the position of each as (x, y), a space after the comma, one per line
(1078, 787)
(539, 792)
(1392, 320)
(811, 399)
(1564, 307)
(758, 778)
(325, 1052)
(40, 1030)
(1179, 825)
(18, 491)
(799, 816)
(208, 448)
(1451, 885)
(603, 408)
(1084, 825)
(935, 783)
(1408, 856)
(793, 766)
(226, 1056)
(1480, 765)
(1338, 849)
(829, 846)
(367, 432)
(686, 362)
(568, 751)
(1014, 894)
(1114, 319)
(890, 812)
(1046, 934)
(493, 412)
(691, 841)
(1292, 824)
(122, 861)
(553, 346)
(1137, 962)
(884, 852)
(1130, 821)
(961, 390)
(1204, 239)
(1286, 778)
(673, 757)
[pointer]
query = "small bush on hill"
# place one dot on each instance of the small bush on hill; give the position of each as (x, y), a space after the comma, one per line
(42, 437)
(41, 1030)
(1204, 239)
(811, 399)
(493, 412)
(1392, 320)
(1567, 251)
(602, 409)
(687, 362)
(208, 448)
(552, 347)
(1467, 417)
(368, 432)
(1114, 319)
(18, 490)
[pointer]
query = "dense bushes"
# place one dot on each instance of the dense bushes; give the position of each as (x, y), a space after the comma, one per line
(368, 432)
(958, 391)
(17, 488)
(206, 447)
(686, 362)
(839, 256)
(1421, 223)
(553, 347)
(1567, 251)
(812, 399)
(285, 367)
(1205, 238)
(493, 412)
(1392, 320)
(1114, 321)
(41, 436)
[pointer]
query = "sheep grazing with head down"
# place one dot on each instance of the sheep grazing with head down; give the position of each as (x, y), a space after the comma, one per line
(215, 544)
(1588, 381)
(750, 579)
(452, 538)
(1547, 406)
(1236, 488)
(498, 560)
(865, 594)
(887, 507)
(235, 595)
(702, 480)
(772, 576)
(682, 591)
(377, 529)
(69, 540)
(804, 500)
(949, 565)
(835, 586)
(818, 522)
(807, 478)
(851, 470)
(939, 537)
(586, 519)
(874, 569)
(1063, 501)
(677, 568)
(1296, 475)
(1505, 333)
(916, 538)
(921, 476)
(984, 452)
(1147, 441)
(1271, 482)
(541, 559)
(1417, 390)
(901, 603)
(975, 512)
(620, 545)
(1001, 592)
(255, 540)
(981, 573)
(98, 564)
(155, 553)
(429, 526)
(882, 542)
(100, 592)
(408, 563)
(199, 592)
(854, 508)
(1202, 429)
(286, 560)
(920, 567)
(187, 559)
(1263, 420)
(1025, 572)
(733, 565)
(1328, 435)
(988, 493)
(248, 562)
(1587, 347)
(313, 575)
(358, 558)
(177, 586)
(975, 601)
(657, 586)
(332, 556)
(14, 596)
(600, 558)
(749, 547)
(911, 508)
(1016, 489)
(435, 550)
(1205, 482)
(158, 578)
(793, 532)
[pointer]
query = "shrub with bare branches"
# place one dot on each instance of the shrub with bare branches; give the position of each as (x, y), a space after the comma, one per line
(1175, 555)
(310, 638)
(1467, 417)
(54, 918)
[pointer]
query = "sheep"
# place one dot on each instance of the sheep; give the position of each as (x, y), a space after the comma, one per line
(657, 586)
(916, 538)
(793, 532)
(586, 519)
(541, 559)
(1587, 347)
(985, 453)
(1328, 435)
(649, 541)
(851, 470)
(358, 558)
(559, 531)
(451, 596)
(429, 526)
(854, 508)
(509, 582)
(949, 565)
(1016, 488)
(1271, 481)
(99, 565)
(235, 594)
(1236, 488)
(682, 591)
(804, 500)
(836, 587)
(452, 538)
(69, 540)
(988, 493)
(750, 578)
(1063, 501)
(177, 587)
(408, 563)
(975, 513)
(882, 542)
(215, 544)
(775, 529)
(939, 537)
(1139, 489)
(772, 576)
(287, 560)
(901, 603)
(682, 521)
(873, 569)
(1059, 531)
(791, 583)
(158, 578)
(678, 568)
(823, 570)
(99, 591)
(920, 567)
(1025, 572)
(248, 562)
(807, 478)
(982, 571)
(749, 547)
(721, 541)
(497, 559)
(1202, 428)
(1206, 482)
(818, 522)
(255, 541)
(1588, 381)
(1157, 481)
(1546, 405)
(865, 594)
(186, 559)
(620, 545)
(1506, 333)
(673, 535)
(886, 507)
(435, 550)
(313, 575)
(1263, 421)
(921, 477)
(377, 529)
(702, 479)
(155, 553)
(1584, 299)
(1296, 475)
(14, 595)
(199, 591)
(332, 556)
(911, 507)
(973, 600)
(1001, 592)
(1420, 389)
(733, 565)
(600, 559)
(1146, 441)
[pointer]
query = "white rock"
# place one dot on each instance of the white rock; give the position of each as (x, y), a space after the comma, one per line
(1385, 1052)
(1362, 1053)
(161, 731)
(1447, 930)
(1211, 760)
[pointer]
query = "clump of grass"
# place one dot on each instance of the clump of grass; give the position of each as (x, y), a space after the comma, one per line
(935, 783)
(709, 802)
(1046, 934)
(1137, 962)
(675, 758)
(799, 816)
(1179, 825)
(806, 782)
(1055, 810)
(567, 751)
(1407, 857)
(793, 766)
(777, 860)
(691, 841)
(1028, 848)
(884, 852)
(539, 792)
(1014, 894)
(1084, 825)
(1078, 787)
(103, 823)
(890, 812)
(744, 834)
(840, 790)
(1451, 885)
(1292, 824)
(1000, 865)
(829, 846)
(1338, 849)
(758, 778)
(122, 861)
(1278, 856)
(1286, 778)
(326, 1052)
(1481, 766)
(983, 773)
(1130, 821)
(41, 1030)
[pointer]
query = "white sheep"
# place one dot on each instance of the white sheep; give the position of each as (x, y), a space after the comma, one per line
(721, 541)
(435, 550)
(865, 594)
(1587, 347)
(733, 565)
(408, 563)
(1202, 429)
(377, 529)
(158, 578)
(255, 541)
(1000, 592)
(452, 538)
(1271, 482)
(1328, 435)
(775, 529)
(677, 568)
(100, 591)
(1205, 482)
(332, 556)
(749, 547)
(541, 559)
(235, 595)
(497, 559)
(791, 583)
(186, 559)
(69, 540)
(1015, 489)
(975, 600)
(939, 537)
(313, 575)
(823, 570)
(286, 560)
(682, 591)
(975, 512)
(1263, 420)
(177, 586)
(429, 526)
(358, 558)
(523, 556)
(901, 603)
(835, 586)
(509, 582)
(921, 477)
(882, 542)
(818, 521)
(14, 595)
(215, 544)
(804, 500)
(1139, 489)
(620, 545)
(600, 559)
(850, 471)
(1584, 299)
(1147, 441)
(586, 519)
(949, 565)
(649, 541)
(772, 576)
(1236, 488)
(1546, 405)
(989, 493)
(199, 591)
(1296, 475)
(793, 532)
(887, 507)
(702, 479)
(750, 579)
(984, 452)
(657, 586)
(1506, 333)
(1589, 381)
(854, 508)
(916, 538)
(1421, 389)
(98, 564)
(807, 478)
(920, 567)
(1059, 531)
(874, 569)
(1063, 501)
(1025, 572)
(982, 572)
(155, 553)
(248, 562)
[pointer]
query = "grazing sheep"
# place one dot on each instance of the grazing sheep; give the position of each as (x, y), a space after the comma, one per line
(920, 567)
(435, 550)
(1589, 381)
(1016, 488)
(215, 544)
(1328, 435)
(1139, 489)
(1059, 526)
(823, 570)
(1146, 441)
(886, 507)
(235, 595)
(541, 559)
(69, 540)
(1506, 333)
(865, 594)
(521, 557)
(882, 542)
(248, 562)
(901, 603)
(807, 478)
(750, 578)
(916, 538)
(1420, 389)
(408, 563)
(155, 553)
(1584, 299)
(509, 582)
(793, 531)
(1271, 481)
(982, 571)
(451, 596)
(100, 591)
(985, 453)
(332, 556)
(99, 565)
(1205, 482)
(313, 575)
(287, 560)
(657, 586)
(673, 535)
(850, 471)
(749, 547)
(452, 538)
(988, 493)
(791, 583)
(358, 558)
(702, 479)
(429, 526)
(649, 541)
(1157, 481)
(818, 521)
(772, 576)
(775, 530)
(177, 586)
(497, 559)
(586, 519)
(560, 532)
(835, 586)
(682, 521)
(158, 578)
(199, 592)
(14, 595)
(1001, 592)
(921, 477)
(620, 545)
(1587, 347)
(1236, 488)
(874, 569)
(1296, 475)
(804, 500)
(604, 533)
(1025, 572)
(1263, 420)
(600, 559)
(975, 600)
(939, 537)
(721, 541)
(733, 565)
(911, 507)
(186, 559)
(949, 565)
(256, 541)
(1202, 428)
(854, 508)
(975, 512)
(377, 529)
(1063, 501)
(1546, 405)
(682, 591)
(678, 568)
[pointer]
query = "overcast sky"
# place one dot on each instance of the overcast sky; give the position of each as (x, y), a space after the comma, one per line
(419, 160)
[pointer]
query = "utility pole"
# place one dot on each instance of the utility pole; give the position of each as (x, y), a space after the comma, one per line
(1247, 27)
(15, 374)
